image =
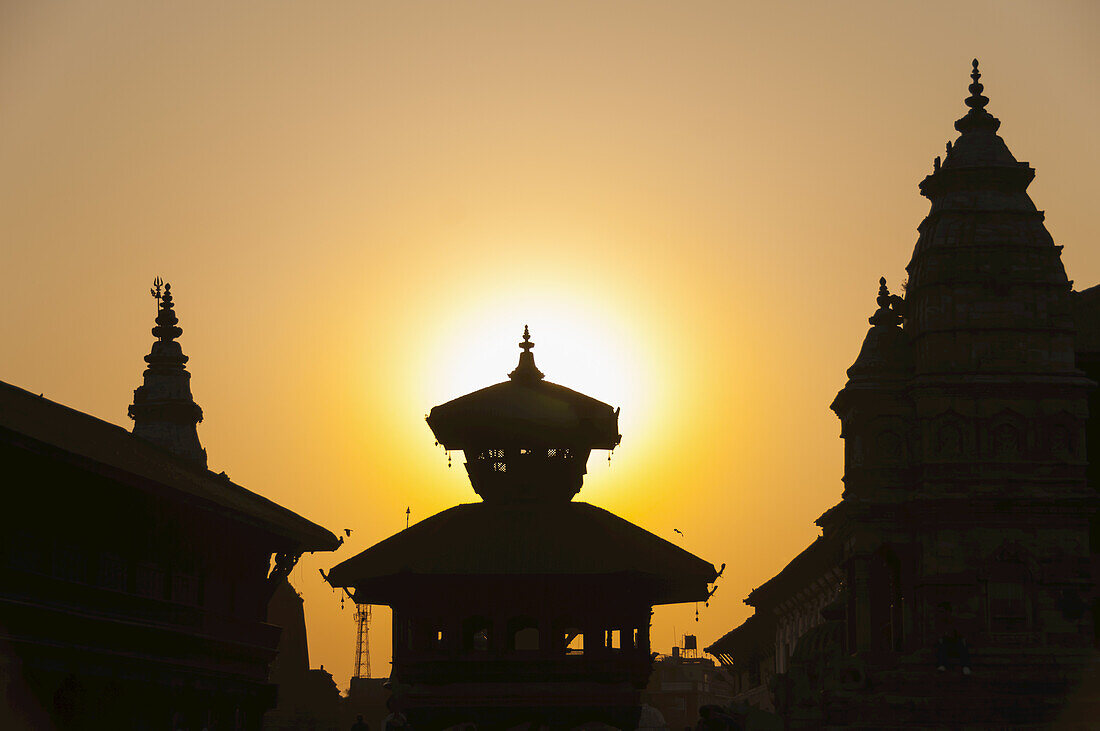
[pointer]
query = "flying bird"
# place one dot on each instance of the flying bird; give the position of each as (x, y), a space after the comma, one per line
(347, 532)
(677, 530)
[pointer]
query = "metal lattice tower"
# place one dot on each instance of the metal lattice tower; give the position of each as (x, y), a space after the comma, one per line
(362, 644)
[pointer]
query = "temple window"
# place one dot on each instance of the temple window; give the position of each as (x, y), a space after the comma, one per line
(1006, 441)
(888, 447)
(1007, 599)
(1060, 441)
(112, 572)
(150, 581)
(438, 640)
(949, 440)
(497, 460)
(573, 640)
(1008, 610)
(69, 563)
(476, 634)
(527, 639)
(523, 634)
(185, 588)
(614, 639)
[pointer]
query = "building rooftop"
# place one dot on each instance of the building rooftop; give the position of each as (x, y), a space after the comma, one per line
(36, 424)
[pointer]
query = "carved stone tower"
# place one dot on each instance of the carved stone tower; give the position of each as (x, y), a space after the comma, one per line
(967, 504)
(164, 412)
(1000, 402)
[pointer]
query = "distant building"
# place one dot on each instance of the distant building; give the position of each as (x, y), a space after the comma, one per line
(134, 582)
(308, 699)
(526, 607)
(682, 683)
(954, 583)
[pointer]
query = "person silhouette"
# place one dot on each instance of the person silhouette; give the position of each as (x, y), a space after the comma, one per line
(951, 649)
(360, 724)
(396, 720)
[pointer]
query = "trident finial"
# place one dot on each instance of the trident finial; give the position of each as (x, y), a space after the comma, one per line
(155, 291)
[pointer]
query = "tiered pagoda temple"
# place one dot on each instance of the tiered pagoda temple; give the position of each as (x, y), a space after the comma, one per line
(526, 607)
(952, 584)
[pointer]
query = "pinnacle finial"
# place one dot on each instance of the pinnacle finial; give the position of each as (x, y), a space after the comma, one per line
(526, 370)
(167, 323)
(884, 315)
(977, 119)
(976, 100)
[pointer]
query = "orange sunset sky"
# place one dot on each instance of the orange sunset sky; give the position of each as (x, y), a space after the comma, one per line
(360, 204)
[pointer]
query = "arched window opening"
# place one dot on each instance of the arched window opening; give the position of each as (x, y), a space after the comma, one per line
(524, 634)
(527, 639)
(477, 633)
(1008, 603)
(573, 640)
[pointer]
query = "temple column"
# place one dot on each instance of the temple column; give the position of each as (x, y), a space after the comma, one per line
(860, 630)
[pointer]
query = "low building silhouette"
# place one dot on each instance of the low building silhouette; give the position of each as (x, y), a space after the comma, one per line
(528, 607)
(684, 682)
(308, 699)
(954, 584)
(134, 582)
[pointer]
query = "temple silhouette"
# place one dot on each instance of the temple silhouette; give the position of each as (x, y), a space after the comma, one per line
(954, 584)
(135, 582)
(527, 607)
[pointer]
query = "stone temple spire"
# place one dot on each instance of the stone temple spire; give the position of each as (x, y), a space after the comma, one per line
(164, 412)
(526, 371)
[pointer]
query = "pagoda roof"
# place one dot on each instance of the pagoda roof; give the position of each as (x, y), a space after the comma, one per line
(37, 424)
(813, 562)
(525, 411)
(755, 637)
(532, 539)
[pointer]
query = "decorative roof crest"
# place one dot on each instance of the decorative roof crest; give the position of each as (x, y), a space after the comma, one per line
(886, 315)
(526, 369)
(977, 119)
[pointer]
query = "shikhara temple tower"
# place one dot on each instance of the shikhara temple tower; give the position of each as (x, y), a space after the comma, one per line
(526, 606)
(164, 411)
(952, 584)
(966, 506)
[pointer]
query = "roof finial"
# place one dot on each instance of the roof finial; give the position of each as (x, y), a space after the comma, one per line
(977, 119)
(164, 412)
(884, 315)
(167, 327)
(526, 370)
(976, 100)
